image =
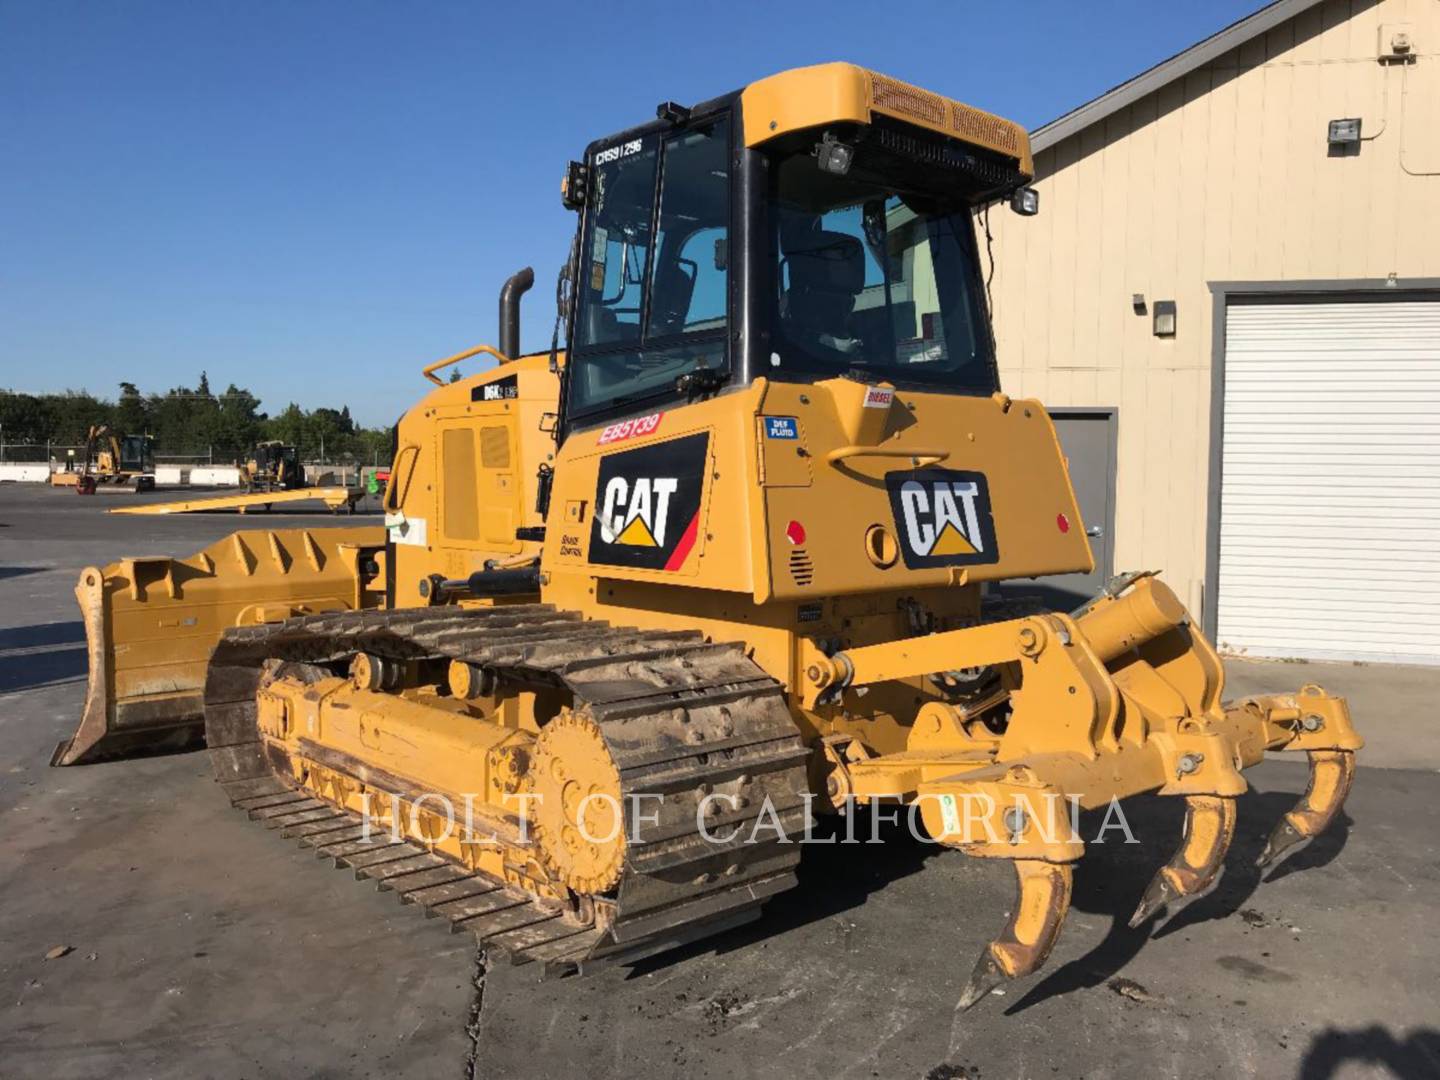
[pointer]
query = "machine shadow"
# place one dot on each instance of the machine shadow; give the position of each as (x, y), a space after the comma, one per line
(1108, 881)
(1112, 877)
(20, 571)
(1409, 1058)
(1053, 597)
(832, 880)
(64, 656)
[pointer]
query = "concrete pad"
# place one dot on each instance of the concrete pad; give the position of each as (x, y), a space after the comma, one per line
(220, 949)
(1394, 707)
(857, 973)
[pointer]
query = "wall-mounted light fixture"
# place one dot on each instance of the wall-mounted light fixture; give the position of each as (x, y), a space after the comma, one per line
(1343, 132)
(1137, 301)
(1164, 318)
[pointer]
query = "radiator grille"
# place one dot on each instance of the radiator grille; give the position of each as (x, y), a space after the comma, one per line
(495, 447)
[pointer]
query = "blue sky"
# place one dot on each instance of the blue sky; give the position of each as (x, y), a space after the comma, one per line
(313, 198)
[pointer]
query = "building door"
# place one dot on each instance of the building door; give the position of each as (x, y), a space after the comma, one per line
(1088, 441)
(1330, 479)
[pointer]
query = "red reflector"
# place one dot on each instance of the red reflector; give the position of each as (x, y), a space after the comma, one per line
(1062, 523)
(795, 533)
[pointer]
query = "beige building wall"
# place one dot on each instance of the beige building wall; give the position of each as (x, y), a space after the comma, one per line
(1224, 175)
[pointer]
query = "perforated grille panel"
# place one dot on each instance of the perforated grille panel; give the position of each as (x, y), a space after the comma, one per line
(459, 508)
(988, 130)
(912, 103)
(494, 447)
(900, 97)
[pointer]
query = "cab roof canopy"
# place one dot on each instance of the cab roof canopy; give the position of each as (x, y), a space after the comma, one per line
(810, 97)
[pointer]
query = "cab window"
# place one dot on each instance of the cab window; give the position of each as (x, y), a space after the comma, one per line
(655, 278)
(618, 247)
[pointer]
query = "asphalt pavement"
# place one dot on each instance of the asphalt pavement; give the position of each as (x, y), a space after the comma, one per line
(192, 943)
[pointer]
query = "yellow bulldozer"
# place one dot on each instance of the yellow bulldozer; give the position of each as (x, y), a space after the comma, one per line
(272, 466)
(721, 560)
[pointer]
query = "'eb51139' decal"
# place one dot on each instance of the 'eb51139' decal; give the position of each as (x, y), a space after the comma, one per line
(943, 517)
(647, 504)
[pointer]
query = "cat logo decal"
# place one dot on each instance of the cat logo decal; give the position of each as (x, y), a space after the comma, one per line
(648, 503)
(943, 517)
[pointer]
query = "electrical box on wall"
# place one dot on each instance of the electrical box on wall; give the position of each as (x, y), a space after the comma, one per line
(1397, 43)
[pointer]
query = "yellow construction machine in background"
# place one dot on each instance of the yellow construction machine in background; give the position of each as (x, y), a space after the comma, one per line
(273, 466)
(645, 603)
(110, 458)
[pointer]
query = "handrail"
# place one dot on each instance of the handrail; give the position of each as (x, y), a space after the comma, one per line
(932, 457)
(391, 499)
(429, 372)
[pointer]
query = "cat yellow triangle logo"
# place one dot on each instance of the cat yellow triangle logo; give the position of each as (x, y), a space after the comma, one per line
(950, 542)
(636, 533)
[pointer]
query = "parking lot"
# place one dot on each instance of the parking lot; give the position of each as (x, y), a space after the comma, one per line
(199, 944)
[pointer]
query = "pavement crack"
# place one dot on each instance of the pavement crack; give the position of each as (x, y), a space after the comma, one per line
(472, 1019)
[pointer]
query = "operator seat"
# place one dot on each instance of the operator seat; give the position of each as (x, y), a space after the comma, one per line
(827, 275)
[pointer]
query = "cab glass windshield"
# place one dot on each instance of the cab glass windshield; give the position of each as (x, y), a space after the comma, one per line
(653, 273)
(873, 281)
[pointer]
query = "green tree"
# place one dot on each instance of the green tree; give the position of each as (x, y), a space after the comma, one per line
(27, 422)
(130, 413)
(76, 412)
(288, 427)
(239, 422)
(188, 421)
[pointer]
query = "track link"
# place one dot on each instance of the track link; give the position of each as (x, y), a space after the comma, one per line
(681, 717)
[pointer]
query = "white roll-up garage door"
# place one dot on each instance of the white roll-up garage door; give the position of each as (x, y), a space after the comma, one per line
(1330, 481)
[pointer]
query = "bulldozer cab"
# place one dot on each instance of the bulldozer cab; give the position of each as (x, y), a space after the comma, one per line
(779, 311)
(709, 256)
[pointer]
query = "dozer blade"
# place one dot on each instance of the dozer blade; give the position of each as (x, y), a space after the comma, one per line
(1196, 866)
(151, 624)
(1331, 774)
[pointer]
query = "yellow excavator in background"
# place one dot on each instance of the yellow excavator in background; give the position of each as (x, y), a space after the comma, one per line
(110, 458)
(645, 603)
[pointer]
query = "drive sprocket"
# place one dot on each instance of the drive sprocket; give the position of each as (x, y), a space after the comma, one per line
(575, 807)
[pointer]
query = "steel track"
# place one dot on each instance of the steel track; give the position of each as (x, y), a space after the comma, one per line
(682, 718)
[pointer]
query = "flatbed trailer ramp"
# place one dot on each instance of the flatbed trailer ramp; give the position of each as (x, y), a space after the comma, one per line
(334, 498)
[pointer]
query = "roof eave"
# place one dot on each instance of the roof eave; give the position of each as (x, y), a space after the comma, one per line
(1166, 72)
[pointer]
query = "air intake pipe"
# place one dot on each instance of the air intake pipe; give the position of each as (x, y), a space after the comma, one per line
(510, 294)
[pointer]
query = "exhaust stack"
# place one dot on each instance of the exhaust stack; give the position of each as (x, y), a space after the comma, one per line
(516, 287)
